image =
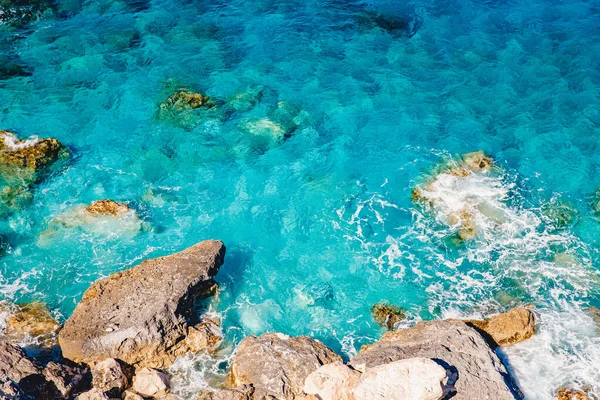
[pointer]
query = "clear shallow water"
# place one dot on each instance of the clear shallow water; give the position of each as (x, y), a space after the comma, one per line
(322, 226)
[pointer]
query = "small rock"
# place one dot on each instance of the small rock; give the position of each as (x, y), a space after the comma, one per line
(151, 382)
(129, 395)
(67, 380)
(508, 328)
(205, 335)
(387, 315)
(277, 365)
(559, 214)
(94, 394)
(14, 198)
(413, 378)
(32, 319)
(566, 393)
(109, 377)
(332, 382)
(107, 207)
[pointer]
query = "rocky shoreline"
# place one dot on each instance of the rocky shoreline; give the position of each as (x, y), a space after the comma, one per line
(132, 324)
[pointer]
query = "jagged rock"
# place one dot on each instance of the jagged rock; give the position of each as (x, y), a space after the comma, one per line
(244, 392)
(32, 153)
(414, 378)
(67, 380)
(94, 394)
(478, 161)
(108, 376)
(387, 315)
(15, 364)
(475, 370)
(32, 319)
(332, 382)
(566, 393)
(139, 315)
(508, 328)
(277, 365)
(150, 382)
(129, 395)
(9, 390)
(205, 335)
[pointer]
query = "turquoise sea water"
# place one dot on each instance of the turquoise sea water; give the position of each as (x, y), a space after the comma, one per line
(320, 226)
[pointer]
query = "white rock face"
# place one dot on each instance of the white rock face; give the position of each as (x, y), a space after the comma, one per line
(94, 394)
(150, 382)
(413, 378)
(332, 382)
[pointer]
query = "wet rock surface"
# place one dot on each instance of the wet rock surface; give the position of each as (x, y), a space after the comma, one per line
(139, 315)
(277, 365)
(387, 315)
(33, 320)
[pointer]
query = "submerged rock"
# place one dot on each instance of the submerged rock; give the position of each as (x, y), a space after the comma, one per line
(474, 369)
(33, 320)
(559, 214)
(14, 197)
(101, 217)
(393, 24)
(508, 328)
(141, 314)
(387, 315)
(277, 365)
(186, 100)
(448, 195)
(17, 13)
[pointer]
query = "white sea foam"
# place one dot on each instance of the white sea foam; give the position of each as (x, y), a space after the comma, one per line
(13, 143)
(512, 249)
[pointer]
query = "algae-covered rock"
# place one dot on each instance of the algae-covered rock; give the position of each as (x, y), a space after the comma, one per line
(140, 315)
(387, 315)
(559, 214)
(33, 154)
(14, 197)
(33, 320)
(567, 393)
(107, 207)
(185, 100)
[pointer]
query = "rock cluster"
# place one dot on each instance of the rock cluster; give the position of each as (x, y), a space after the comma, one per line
(277, 365)
(140, 315)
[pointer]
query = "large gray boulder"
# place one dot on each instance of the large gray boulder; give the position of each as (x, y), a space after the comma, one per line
(277, 365)
(140, 315)
(475, 370)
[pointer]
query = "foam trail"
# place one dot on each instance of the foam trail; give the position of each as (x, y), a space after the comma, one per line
(508, 248)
